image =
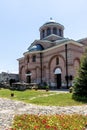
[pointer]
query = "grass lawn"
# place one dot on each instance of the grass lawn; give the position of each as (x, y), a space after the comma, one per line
(41, 97)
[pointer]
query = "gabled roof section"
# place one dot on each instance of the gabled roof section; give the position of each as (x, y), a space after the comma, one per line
(53, 37)
(39, 42)
(67, 41)
(62, 40)
(59, 44)
(62, 43)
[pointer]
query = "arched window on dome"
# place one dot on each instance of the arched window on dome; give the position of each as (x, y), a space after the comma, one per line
(43, 33)
(48, 31)
(60, 32)
(54, 30)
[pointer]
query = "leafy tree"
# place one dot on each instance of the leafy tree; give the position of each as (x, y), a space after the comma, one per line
(80, 84)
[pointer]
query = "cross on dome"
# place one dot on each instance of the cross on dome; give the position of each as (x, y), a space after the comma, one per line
(51, 20)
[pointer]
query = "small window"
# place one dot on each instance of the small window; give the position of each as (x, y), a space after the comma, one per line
(48, 31)
(34, 58)
(60, 32)
(54, 31)
(57, 61)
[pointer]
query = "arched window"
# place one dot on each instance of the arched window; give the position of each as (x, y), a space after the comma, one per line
(36, 47)
(54, 30)
(60, 32)
(48, 31)
(57, 71)
(33, 58)
(57, 61)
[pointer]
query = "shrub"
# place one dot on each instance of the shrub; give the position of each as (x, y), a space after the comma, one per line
(80, 82)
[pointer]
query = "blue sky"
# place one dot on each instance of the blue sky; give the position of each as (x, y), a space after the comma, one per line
(20, 21)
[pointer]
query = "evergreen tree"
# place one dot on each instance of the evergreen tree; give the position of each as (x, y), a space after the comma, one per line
(80, 85)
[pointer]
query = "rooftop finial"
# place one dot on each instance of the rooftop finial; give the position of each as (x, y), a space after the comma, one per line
(51, 20)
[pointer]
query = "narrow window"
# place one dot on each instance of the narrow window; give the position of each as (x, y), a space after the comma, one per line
(57, 61)
(34, 58)
(60, 32)
(54, 31)
(48, 31)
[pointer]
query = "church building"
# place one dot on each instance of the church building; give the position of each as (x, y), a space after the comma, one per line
(52, 59)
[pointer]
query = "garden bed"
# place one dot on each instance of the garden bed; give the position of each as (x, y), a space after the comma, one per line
(51, 122)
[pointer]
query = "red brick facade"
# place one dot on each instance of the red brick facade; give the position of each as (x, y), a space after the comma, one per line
(45, 60)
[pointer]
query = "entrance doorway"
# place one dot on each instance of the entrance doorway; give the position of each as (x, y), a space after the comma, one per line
(28, 77)
(58, 77)
(58, 80)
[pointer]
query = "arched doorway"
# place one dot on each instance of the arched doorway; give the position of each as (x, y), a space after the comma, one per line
(28, 77)
(58, 77)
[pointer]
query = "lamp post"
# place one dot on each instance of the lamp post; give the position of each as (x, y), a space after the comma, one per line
(66, 66)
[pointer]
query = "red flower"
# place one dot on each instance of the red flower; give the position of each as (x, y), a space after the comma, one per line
(44, 121)
(47, 126)
(36, 127)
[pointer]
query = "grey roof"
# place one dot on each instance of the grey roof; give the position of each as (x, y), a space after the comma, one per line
(36, 42)
(62, 40)
(67, 40)
(51, 21)
(83, 39)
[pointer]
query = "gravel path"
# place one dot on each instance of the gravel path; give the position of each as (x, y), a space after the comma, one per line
(9, 108)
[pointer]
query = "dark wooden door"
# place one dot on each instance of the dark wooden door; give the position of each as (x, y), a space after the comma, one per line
(29, 79)
(58, 80)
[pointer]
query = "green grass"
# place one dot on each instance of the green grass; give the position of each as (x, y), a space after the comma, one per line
(57, 100)
(22, 95)
(41, 97)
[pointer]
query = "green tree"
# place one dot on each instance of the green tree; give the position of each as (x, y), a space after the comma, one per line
(80, 84)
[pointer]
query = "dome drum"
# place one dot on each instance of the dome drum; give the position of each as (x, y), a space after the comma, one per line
(51, 27)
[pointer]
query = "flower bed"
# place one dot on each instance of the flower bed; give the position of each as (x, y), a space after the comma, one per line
(51, 122)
